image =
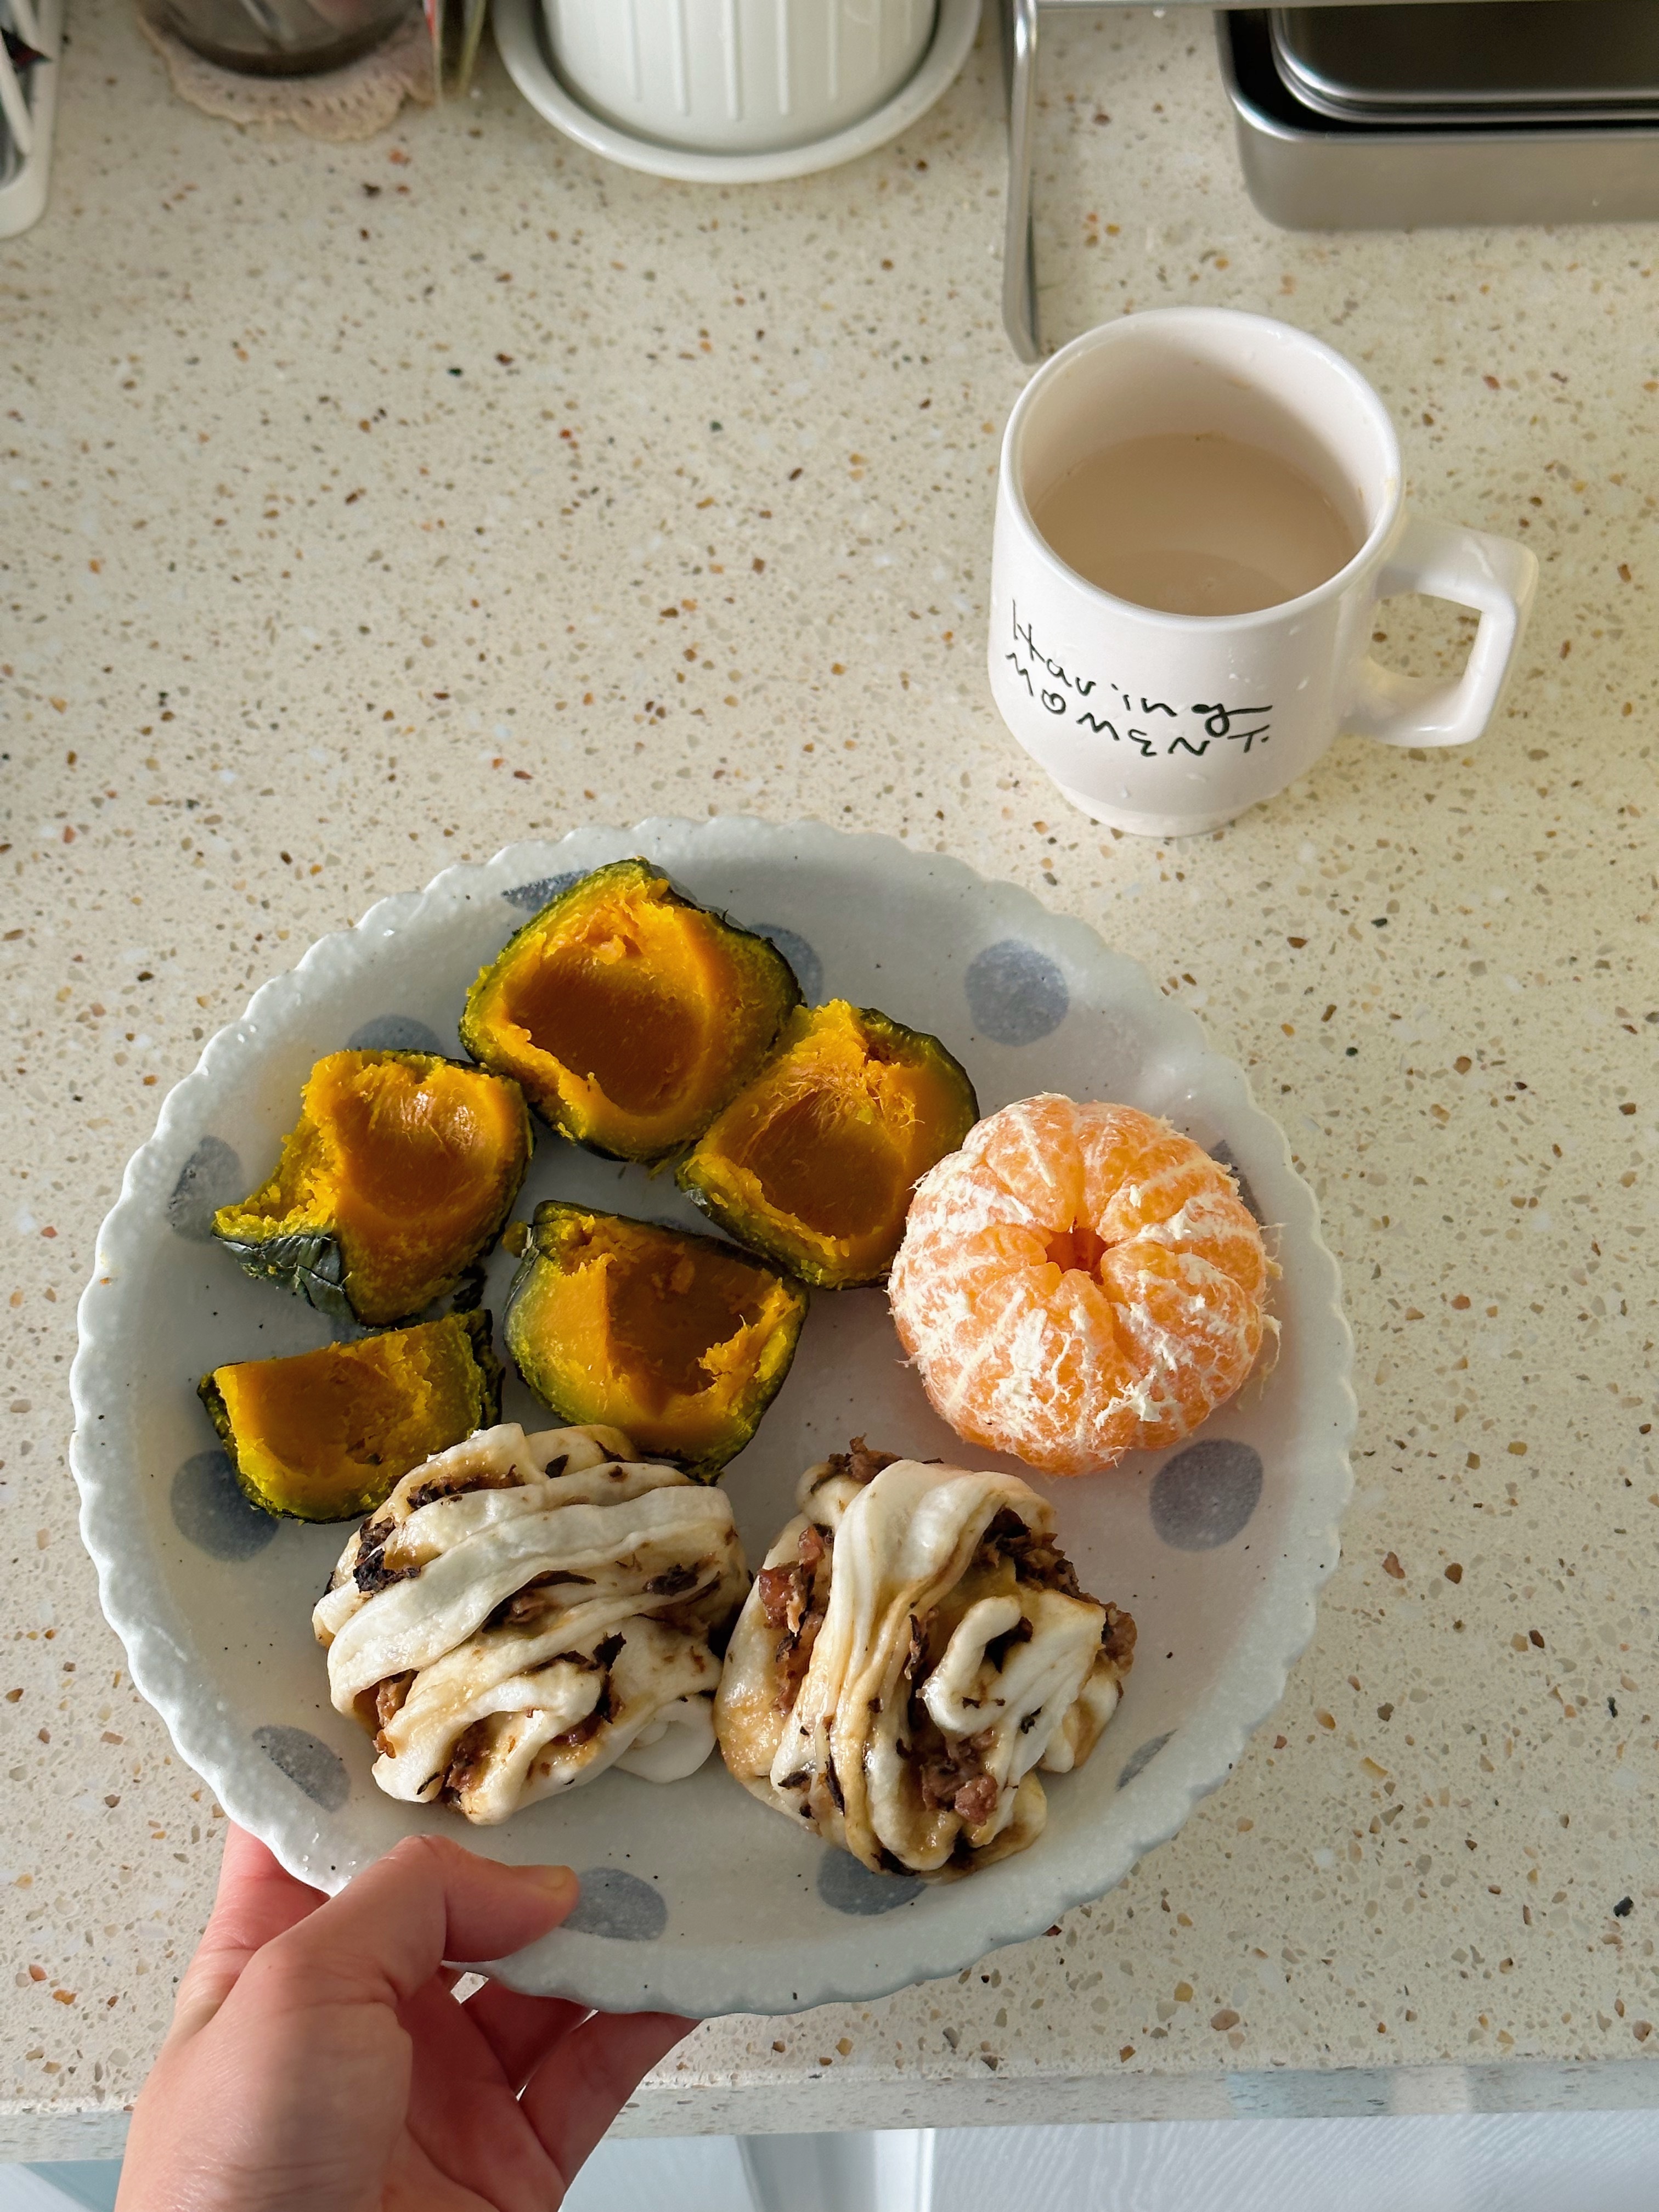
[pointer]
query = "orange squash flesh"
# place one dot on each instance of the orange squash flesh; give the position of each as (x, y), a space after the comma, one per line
(814, 1161)
(677, 1340)
(629, 1015)
(398, 1176)
(325, 1435)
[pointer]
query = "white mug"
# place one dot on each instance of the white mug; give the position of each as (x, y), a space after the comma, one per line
(1166, 723)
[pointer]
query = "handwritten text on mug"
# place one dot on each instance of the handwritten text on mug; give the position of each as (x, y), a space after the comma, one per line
(1218, 722)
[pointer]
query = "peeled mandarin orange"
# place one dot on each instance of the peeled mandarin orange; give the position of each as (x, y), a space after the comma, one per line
(1078, 1282)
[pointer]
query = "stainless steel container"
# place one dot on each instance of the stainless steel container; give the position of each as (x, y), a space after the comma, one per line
(1472, 61)
(1312, 172)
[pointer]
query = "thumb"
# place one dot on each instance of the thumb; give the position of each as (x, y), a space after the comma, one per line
(388, 1931)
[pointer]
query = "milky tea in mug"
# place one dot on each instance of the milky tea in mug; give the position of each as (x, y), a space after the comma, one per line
(1195, 522)
(1197, 511)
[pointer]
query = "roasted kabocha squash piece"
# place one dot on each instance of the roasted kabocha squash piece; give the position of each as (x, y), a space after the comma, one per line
(630, 1014)
(813, 1163)
(393, 1184)
(324, 1435)
(676, 1338)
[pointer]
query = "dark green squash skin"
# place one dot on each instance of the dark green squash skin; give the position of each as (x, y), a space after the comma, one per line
(474, 1034)
(491, 1373)
(311, 1262)
(910, 1046)
(479, 1327)
(208, 1391)
(536, 1243)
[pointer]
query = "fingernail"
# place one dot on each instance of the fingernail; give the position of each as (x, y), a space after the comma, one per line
(560, 1883)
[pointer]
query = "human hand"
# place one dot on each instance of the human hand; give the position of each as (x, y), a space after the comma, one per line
(318, 2061)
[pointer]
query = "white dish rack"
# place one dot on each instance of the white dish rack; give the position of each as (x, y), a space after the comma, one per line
(28, 105)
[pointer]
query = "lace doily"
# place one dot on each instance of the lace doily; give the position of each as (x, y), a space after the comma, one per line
(338, 105)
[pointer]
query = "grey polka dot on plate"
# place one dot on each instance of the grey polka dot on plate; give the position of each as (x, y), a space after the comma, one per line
(397, 1033)
(801, 957)
(617, 1904)
(209, 1510)
(306, 1760)
(211, 1177)
(1016, 994)
(846, 1884)
(1138, 1761)
(1223, 1152)
(533, 897)
(1205, 1495)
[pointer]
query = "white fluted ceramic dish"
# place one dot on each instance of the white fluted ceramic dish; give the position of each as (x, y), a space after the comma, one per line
(736, 77)
(696, 1898)
(521, 39)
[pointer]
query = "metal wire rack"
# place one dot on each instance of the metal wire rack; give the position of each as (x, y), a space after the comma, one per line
(33, 31)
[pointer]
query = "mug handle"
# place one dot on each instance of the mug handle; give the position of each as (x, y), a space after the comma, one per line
(1494, 575)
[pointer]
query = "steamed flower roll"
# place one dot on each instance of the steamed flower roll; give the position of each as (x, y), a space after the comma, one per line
(525, 1612)
(914, 1651)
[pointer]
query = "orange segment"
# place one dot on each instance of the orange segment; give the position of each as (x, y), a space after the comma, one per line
(1033, 1151)
(1076, 1282)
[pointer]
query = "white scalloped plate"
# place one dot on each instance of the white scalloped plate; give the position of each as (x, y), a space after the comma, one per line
(697, 1898)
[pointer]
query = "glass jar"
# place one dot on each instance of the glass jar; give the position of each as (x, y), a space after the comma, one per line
(278, 38)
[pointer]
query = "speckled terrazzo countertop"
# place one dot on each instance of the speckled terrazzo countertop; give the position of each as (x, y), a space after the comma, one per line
(365, 507)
